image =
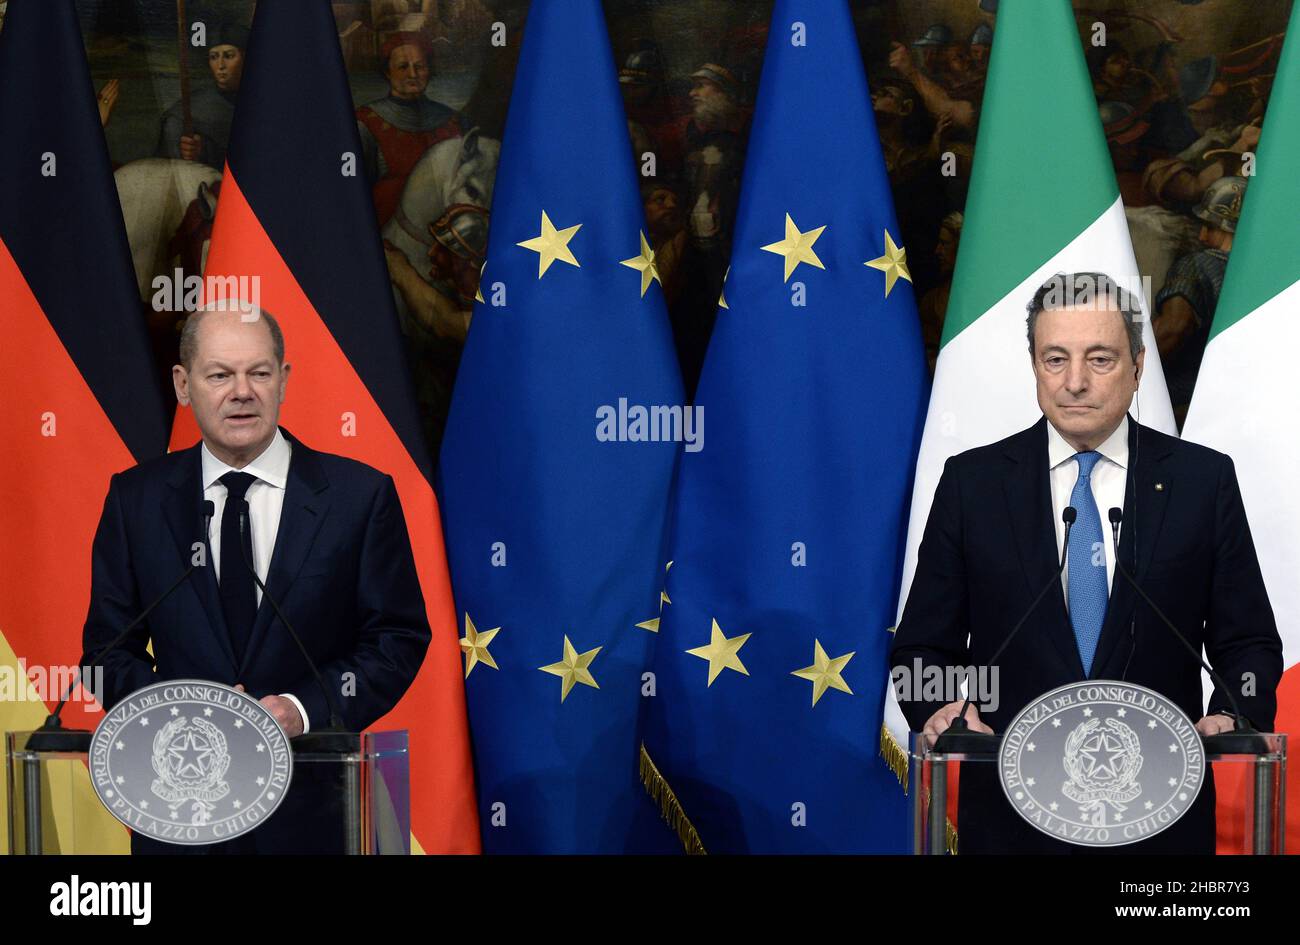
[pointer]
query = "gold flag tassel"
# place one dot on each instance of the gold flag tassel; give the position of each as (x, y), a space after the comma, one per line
(669, 806)
(894, 754)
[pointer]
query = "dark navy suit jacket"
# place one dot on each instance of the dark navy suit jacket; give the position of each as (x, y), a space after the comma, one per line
(342, 571)
(990, 545)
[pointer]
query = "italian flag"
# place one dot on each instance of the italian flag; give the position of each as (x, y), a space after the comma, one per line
(1043, 199)
(1244, 404)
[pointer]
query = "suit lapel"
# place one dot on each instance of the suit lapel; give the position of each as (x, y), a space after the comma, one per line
(1029, 508)
(306, 502)
(182, 508)
(1144, 513)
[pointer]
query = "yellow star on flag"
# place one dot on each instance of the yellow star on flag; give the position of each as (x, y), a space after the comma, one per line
(573, 669)
(551, 244)
(796, 247)
(653, 623)
(644, 264)
(722, 652)
(475, 645)
(824, 673)
(893, 264)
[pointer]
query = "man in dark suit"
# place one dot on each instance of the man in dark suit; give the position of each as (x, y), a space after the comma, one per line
(994, 537)
(325, 534)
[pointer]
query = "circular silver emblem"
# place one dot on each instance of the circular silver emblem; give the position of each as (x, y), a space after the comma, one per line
(190, 762)
(1101, 763)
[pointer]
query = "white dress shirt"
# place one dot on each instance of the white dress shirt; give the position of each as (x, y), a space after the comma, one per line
(265, 502)
(1109, 480)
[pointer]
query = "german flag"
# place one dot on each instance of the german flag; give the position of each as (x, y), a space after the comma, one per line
(81, 398)
(296, 213)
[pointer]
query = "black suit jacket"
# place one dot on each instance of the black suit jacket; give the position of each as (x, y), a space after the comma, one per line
(342, 571)
(990, 546)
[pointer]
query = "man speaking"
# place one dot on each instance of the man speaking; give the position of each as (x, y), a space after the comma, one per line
(994, 539)
(325, 534)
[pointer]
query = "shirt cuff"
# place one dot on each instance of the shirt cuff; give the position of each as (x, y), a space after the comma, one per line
(306, 723)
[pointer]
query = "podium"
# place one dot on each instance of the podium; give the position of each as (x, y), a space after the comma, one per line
(368, 774)
(1253, 763)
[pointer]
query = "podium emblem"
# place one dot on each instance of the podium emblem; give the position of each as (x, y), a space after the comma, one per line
(190, 762)
(1101, 763)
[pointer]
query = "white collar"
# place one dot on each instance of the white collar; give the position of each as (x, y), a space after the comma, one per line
(1115, 447)
(271, 465)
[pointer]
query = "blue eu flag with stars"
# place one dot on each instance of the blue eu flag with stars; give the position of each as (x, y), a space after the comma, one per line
(787, 527)
(558, 459)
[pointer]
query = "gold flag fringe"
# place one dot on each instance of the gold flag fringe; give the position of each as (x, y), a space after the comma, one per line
(669, 806)
(894, 754)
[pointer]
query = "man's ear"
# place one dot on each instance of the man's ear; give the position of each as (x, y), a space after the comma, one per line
(1137, 367)
(181, 382)
(284, 380)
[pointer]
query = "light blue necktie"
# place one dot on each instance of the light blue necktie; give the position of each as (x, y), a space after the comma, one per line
(1088, 591)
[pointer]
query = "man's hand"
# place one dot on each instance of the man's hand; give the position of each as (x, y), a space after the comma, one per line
(900, 58)
(191, 147)
(939, 722)
(107, 99)
(1216, 724)
(285, 712)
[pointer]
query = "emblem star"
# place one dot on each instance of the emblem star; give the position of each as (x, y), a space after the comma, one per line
(1151, 723)
(796, 248)
(825, 672)
(573, 669)
(475, 645)
(1121, 712)
(1173, 782)
(191, 757)
(1056, 723)
(893, 264)
(144, 720)
(1031, 747)
(1148, 805)
(1053, 805)
(175, 711)
(653, 623)
(207, 711)
(239, 723)
(144, 805)
(722, 652)
(551, 244)
(1173, 749)
(644, 264)
(1087, 711)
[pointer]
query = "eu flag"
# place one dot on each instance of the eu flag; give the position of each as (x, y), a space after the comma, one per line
(558, 457)
(788, 525)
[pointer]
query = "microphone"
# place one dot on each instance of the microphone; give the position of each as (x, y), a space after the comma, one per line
(1241, 725)
(958, 727)
(52, 736)
(335, 725)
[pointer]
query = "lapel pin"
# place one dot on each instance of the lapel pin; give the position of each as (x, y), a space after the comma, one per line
(1160, 487)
